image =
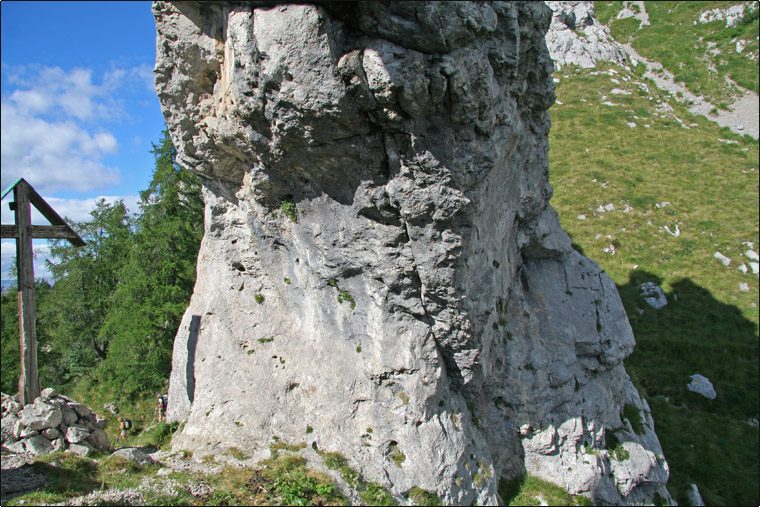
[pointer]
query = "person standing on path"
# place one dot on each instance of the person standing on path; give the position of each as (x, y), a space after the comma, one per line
(161, 407)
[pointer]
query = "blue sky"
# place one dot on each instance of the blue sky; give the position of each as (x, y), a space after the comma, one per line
(79, 111)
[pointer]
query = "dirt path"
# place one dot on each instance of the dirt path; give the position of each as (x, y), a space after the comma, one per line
(742, 117)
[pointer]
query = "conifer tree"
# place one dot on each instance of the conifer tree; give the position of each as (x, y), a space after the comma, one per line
(157, 279)
(85, 280)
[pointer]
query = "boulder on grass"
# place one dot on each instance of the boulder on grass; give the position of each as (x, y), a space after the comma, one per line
(84, 449)
(134, 454)
(702, 385)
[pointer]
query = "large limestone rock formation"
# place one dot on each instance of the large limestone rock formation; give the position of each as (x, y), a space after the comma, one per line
(575, 36)
(381, 264)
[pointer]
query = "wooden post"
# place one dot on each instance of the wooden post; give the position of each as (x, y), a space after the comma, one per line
(29, 381)
(23, 231)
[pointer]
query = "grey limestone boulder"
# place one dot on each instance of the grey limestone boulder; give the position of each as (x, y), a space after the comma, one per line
(701, 385)
(51, 433)
(40, 415)
(37, 445)
(380, 259)
(8, 422)
(133, 454)
(653, 295)
(82, 449)
(69, 416)
(83, 411)
(76, 434)
(15, 447)
(48, 392)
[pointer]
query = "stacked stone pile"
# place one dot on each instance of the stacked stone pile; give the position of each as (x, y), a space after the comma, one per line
(54, 422)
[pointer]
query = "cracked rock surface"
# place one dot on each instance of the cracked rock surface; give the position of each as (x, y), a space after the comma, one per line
(381, 273)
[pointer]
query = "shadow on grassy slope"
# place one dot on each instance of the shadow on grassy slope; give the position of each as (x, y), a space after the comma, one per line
(707, 442)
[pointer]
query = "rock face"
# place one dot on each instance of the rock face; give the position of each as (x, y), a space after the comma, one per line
(381, 264)
(52, 423)
(576, 37)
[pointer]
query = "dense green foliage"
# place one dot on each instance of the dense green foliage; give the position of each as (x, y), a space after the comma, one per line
(10, 359)
(110, 318)
(156, 280)
(531, 490)
(656, 172)
(85, 280)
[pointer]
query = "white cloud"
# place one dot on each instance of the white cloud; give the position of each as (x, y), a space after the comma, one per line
(32, 101)
(52, 119)
(53, 156)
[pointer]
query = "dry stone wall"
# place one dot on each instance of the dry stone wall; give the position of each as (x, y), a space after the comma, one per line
(381, 273)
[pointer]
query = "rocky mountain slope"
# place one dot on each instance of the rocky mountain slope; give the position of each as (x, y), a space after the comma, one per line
(381, 273)
(576, 37)
(650, 185)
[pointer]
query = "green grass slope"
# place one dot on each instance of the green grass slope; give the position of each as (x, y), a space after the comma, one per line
(659, 166)
(698, 55)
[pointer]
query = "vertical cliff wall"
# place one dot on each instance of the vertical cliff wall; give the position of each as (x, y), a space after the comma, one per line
(381, 263)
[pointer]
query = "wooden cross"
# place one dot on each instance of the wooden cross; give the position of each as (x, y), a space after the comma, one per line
(23, 231)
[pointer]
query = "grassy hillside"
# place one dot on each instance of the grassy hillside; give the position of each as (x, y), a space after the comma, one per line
(698, 55)
(625, 166)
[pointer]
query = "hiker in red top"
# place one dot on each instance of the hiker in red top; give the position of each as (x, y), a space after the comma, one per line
(161, 407)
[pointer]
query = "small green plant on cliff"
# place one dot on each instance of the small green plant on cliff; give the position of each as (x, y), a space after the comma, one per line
(531, 490)
(288, 209)
(279, 445)
(615, 448)
(397, 456)
(238, 454)
(345, 296)
(259, 298)
(374, 494)
(423, 497)
(336, 461)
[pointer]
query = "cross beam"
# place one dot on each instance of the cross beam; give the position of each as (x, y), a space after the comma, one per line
(23, 231)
